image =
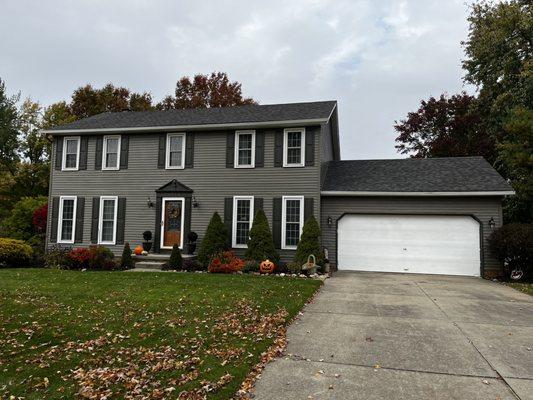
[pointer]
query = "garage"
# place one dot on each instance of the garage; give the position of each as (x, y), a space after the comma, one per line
(428, 244)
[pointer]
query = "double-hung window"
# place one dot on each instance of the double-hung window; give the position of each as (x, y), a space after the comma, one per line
(175, 157)
(243, 215)
(111, 153)
(245, 149)
(292, 220)
(294, 147)
(71, 153)
(67, 219)
(107, 223)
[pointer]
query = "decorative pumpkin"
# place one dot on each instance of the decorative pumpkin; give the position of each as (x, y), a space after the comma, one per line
(138, 250)
(267, 267)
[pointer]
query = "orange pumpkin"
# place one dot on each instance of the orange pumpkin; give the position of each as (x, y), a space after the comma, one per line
(138, 250)
(267, 267)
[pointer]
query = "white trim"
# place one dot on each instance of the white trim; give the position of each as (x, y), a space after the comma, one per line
(244, 125)
(439, 194)
(234, 222)
(64, 155)
(60, 219)
(167, 151)
(284, 219)
(162, 233)
(100, 219)
(236, 151)
(302, 153)
(104, 153)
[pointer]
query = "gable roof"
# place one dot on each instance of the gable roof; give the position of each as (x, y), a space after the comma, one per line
(174, 187)
(446, 176)
(198, 118)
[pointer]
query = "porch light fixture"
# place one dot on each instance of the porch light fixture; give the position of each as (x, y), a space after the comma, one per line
(195, 203)
(149, 203)
(492, 223)
(330, 221)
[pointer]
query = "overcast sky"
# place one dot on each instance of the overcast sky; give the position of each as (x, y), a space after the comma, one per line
(377, 58)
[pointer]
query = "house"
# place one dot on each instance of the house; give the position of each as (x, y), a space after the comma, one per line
(116, 175)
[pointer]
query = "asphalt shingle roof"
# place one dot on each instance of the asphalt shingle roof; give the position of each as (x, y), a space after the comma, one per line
(454, 174)
(205, 116)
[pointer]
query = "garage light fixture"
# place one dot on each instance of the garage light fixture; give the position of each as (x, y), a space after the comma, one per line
(330, 221)
(492, 223)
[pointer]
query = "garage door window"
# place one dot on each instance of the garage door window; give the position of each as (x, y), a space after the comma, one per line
(292, 215)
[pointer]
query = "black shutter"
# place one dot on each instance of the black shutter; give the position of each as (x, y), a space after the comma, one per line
(98, 153)
(276, 221)
(80, 212)
(84, 148)
(121, 220)
(278, 148)
(228, 215)
(189, 150)
(260, 149)
(187, 217)
(162, 151)
(309, 148)
(124, 151)
(95, 216)
(258, 204)
(309, 207)
(55, 219)
(230, 149)
(59, 152)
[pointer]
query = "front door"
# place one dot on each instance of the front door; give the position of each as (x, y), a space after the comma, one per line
(172, 214)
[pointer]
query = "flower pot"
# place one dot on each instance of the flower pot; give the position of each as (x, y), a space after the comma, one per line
(147, 246)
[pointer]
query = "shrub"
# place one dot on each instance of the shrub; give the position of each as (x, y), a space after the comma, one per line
(251, 266)
(39, 218)
(39, 252)
(57, 257)
(101, 258)
(79, 258)
(19, 224)
(260, 244)
(513, 245)
(176, 261)
(190, 264)
(309, 243)
(214, 241)
(294, 268)
(14, 253)
(126, 261)
(226, 262)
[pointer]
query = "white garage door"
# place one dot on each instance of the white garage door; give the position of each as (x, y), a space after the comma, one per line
(409, 243)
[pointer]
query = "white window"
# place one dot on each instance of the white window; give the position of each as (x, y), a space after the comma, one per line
(67, 219)
(245, 149)
(294, 147)
(175, 151)
(71, 153)
(107, 222)
(243, 216)
(292, 217)
(111, 153)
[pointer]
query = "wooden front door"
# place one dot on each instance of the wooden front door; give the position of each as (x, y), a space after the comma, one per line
(172, 214)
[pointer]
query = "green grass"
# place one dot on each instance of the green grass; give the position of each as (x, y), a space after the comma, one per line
(522, 287)
(67, 333)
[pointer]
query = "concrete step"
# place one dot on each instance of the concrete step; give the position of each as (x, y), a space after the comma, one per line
(153, 265)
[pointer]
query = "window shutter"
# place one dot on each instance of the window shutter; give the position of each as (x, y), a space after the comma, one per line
(84, 148)
(162, 151)
(189, 150)
(124, 151)
(309, 148)
(59, 153)
(230, 149)
(258, 204)
(80, 212)
(276, 222)
(259, 149)
(187, 220)
(55, 219)
(309, 207)
(121, 220)
(95, 216)
(98, 153)
(278, 148)
(228, 215)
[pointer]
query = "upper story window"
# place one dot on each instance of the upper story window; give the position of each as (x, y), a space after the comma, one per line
(111, 153)
(71, 153)
(243, 214)
(245, 149)
(175, 158)
(107, 227)
(67, 219)
(294, 147)
(292, 217)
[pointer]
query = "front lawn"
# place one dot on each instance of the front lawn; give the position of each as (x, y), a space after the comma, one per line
(137, 335)
(522, 287)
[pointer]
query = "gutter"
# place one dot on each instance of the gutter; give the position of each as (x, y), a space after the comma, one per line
(334, 193)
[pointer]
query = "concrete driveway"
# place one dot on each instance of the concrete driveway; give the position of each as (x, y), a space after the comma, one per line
(392, 336)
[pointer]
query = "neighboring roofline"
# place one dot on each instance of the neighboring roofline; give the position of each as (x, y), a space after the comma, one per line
(252, 124)
(443, 194)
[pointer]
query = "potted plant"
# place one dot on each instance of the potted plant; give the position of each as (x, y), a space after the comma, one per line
(192, 237)
(147, 244)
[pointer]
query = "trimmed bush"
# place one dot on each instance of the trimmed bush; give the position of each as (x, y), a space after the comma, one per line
(214, 241)
(260, 244)
(57, 257)
(226, 263)
(126, 261)
(79, 258)
(251, 266)
(190, 264)
(309, 243)
(19, 224)
(14, 253)
(294, 268)
(176, 261)
(101, 258)
(513, 245)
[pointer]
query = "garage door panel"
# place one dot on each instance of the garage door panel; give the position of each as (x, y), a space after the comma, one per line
(409, 243)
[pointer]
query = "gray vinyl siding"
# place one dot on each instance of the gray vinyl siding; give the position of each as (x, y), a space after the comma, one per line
(210, 180)
(483, 208)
